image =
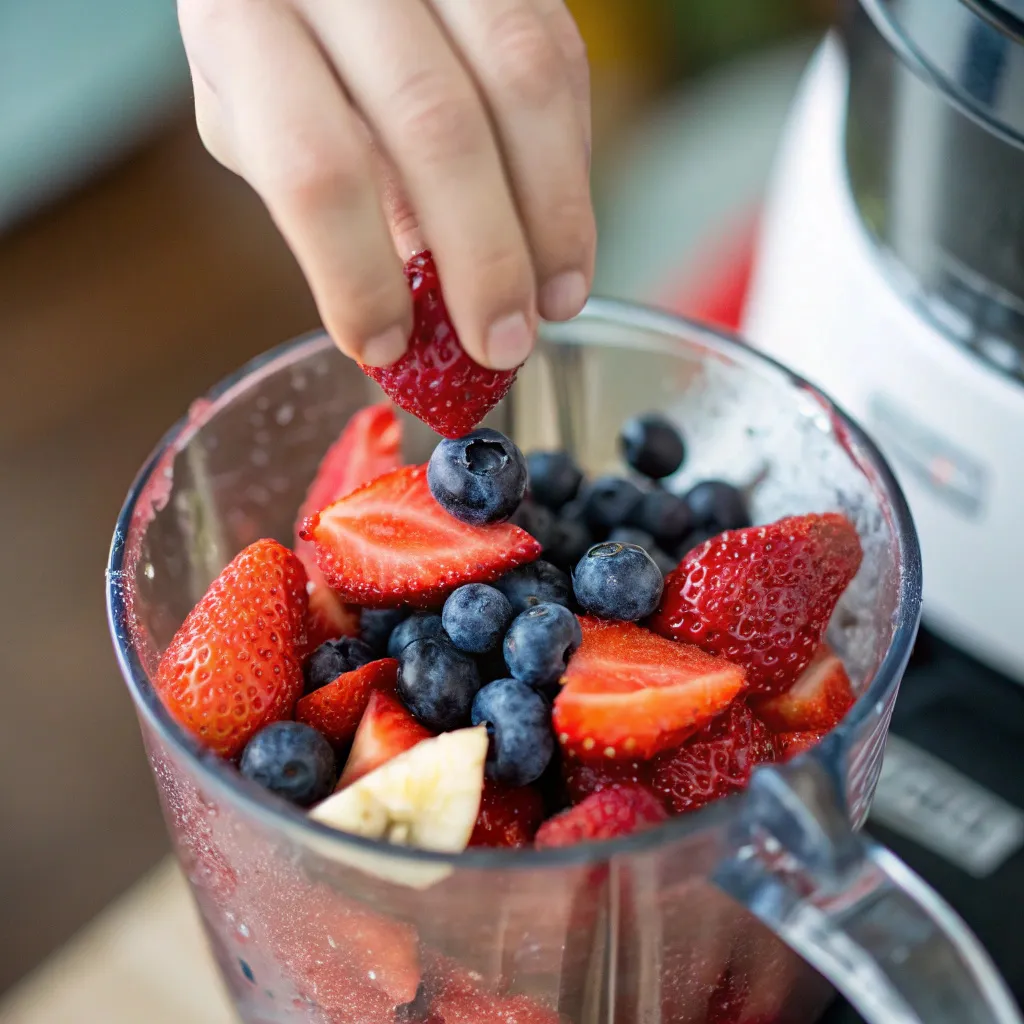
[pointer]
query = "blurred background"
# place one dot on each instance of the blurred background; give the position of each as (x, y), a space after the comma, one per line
(135, 272)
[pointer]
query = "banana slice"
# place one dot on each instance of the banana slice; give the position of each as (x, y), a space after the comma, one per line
(427, 798)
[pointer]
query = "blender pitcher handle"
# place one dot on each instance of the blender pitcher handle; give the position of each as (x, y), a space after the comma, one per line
(853, 910)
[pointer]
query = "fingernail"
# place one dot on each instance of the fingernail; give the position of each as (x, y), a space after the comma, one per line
(509, 342)
(385, 348)
(563, 297)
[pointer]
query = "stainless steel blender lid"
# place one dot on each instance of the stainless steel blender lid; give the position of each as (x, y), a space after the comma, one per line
(935, 157)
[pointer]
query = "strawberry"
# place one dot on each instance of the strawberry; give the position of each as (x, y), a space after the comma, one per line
(458, 996)
(335, 709)
(435, 379)
(604, 815)
(582, 778)
(369, 446)
(714, 763)
(629, 693)
(509, 815)
(762, 597)
(233, 666)
(385, 731)
(390, 543)
(816, 701)
(790, 744)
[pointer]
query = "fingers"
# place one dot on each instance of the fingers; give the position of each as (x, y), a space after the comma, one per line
(428, 116)
(566, 35)
(270, 104)
(517, 50)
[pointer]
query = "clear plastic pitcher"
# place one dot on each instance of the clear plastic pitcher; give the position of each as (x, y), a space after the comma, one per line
(724, 916)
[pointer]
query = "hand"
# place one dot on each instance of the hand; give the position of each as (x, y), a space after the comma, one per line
(459, 124)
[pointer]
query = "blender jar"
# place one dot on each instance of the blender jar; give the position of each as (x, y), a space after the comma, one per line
(725, 916)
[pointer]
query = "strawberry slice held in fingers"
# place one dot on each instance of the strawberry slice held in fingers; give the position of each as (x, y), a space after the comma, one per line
(386, 730)
(628, 693)
(816, 702)
(435, 379)
(762, 597)
(390, 543)
(715, 763)
(234, 665)
(336, 709)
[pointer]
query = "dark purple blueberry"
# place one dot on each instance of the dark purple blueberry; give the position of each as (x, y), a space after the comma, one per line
(540, 642)
(618, 581)
(333, 658)
(666, 517)
(652, 445)
(572, 539)
(479, 478)
(376, 626)
(416, 627)
(539, 522)
(475, 617)
(554, 478)
(608, 502)
(717, 505)
(518, 721)
(534, 583)
(437, 683)
(292, 760)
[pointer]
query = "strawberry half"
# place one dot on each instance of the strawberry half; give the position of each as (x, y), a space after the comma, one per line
(604, 815)
(509, 816)
(327, 618)
(336, 709)
(628, 693)
(717, 761)
(233, 666)
(762, 597)
(390, 543)
(817, 701)
(791, 744)
(436, 380)
(385, 731)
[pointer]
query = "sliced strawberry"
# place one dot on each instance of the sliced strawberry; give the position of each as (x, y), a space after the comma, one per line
(716, 762)
(817, 701)
(762, 597)
(791, 744)
(629, 693)
(369, 446)
(335, 709)
(390, 543)
(385, 731)
(436, 380)
(233, 666)
(582, 778)
(509, 815)
(457, 996)
(604, 815)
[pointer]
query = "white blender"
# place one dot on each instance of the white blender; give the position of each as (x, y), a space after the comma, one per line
(890, 271)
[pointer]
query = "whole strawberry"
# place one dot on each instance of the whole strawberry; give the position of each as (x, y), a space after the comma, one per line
(762, 597)
(715, 762)
(233, 666)
(436, 380)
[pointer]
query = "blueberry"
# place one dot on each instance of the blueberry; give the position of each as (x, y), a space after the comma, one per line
(554, 478)
(652, 445)
(618, 581)
(519, 722)
(662, 559)
(437, 683)
(571, 540)
(475, 617)
(609, 502)
(534, 583)
(666, 517)
(416, 627)
(334, 657)
(718, 505)
(292, 760)
(539, 522)
(377, 624)
(540, 642)
(479, 478)
(632, 535)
